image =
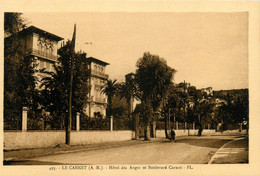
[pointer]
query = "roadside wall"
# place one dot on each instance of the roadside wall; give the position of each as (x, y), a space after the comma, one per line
(38, 139)
(93, 137)
(232, 132)
(32, 139)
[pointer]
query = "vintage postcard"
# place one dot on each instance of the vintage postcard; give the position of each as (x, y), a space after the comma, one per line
(130, 88)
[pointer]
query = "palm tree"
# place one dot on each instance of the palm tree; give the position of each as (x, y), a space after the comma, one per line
(110, 89)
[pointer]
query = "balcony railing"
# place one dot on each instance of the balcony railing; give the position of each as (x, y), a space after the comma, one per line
(99, 74)
(43, 54)
(98, 99)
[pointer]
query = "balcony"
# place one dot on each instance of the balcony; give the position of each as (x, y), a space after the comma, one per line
(98, 100)
(99, 74)
(44, 55)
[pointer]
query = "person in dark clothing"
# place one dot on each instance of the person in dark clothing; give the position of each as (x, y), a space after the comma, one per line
(200, 130)
(172, 135)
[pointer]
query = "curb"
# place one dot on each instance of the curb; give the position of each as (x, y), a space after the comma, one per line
(214, 156)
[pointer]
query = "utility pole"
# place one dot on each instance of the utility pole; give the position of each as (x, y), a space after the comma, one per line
(184, 112)
(68, 129)
(169, 116)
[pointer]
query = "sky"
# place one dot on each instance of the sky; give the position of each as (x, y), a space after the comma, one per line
(208, 49)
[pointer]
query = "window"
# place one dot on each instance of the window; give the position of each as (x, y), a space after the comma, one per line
(45, 48)
(51, 48)
(41, 50)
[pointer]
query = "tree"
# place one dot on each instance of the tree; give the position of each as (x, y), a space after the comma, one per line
(129, 90)
(153, 77)
(235, 109)
(110, 88)
(203, 113)
(119, 107)
(55, 92)
(176, 106)
(19, 69)
(13, 23)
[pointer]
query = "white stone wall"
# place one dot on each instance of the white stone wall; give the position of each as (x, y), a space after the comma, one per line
(38, 139)
(93, 137)
(21, 140)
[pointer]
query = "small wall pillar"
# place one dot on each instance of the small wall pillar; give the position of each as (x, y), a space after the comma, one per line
(177, 125)
(194, 125)
(111, 123)
(24, 119)
(240, 127)
(78, 121)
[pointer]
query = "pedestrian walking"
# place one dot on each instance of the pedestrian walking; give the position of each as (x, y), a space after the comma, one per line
(200, 130)
(172, 134)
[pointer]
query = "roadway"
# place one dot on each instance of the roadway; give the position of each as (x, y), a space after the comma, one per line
(185, 150)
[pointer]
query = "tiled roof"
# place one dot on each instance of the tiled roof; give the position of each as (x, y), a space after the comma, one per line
(41, 32)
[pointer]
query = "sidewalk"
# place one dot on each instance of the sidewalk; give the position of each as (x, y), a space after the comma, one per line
(234, 152)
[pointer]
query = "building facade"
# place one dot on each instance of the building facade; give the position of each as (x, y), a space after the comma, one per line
(97, 101)
(42, 46)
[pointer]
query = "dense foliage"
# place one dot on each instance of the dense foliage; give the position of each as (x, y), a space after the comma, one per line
(55, 86)
(19, 79)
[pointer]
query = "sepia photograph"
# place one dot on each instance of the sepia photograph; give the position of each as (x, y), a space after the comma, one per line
(126, 90)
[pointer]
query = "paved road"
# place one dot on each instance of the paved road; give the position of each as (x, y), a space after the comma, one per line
(185, 150)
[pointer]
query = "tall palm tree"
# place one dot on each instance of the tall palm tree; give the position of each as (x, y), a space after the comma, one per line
(110, 89)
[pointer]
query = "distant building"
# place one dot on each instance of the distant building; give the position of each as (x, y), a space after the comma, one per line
(97, 101)
(219, 102)
(208, 91)
(42, 46)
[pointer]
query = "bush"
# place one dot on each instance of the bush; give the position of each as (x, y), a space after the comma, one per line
(12, 120)
(87, 123)
(123, 124)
